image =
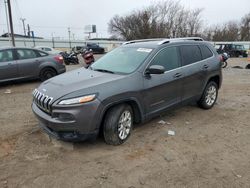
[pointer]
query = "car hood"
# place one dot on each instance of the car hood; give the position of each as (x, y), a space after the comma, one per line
(83, 80)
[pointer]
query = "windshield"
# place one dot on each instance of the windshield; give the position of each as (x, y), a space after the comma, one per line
(122, 60)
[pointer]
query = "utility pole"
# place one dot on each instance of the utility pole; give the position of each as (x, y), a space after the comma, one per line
(11, 24)
(7, 20)
(53, 40)
(28, 26)
(69, 38)
(24, 30)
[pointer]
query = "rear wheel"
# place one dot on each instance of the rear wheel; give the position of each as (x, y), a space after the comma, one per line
(209, 96)
(47, 73)
(118, 124)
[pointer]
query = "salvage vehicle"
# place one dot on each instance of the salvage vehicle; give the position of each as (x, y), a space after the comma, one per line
(27, 63)
(131, 84)
(89, 46)
(234, 50)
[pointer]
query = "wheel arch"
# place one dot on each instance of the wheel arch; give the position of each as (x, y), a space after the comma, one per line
(216, 79)
(133, 103)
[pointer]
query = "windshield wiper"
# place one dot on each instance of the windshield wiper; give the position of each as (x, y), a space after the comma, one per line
(103, 70)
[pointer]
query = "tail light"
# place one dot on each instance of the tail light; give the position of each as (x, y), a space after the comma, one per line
(59, 59)
(221, 58)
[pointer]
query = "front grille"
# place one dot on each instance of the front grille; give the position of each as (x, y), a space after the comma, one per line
(43, 101)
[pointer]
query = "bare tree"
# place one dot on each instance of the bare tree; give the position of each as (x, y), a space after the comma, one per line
(245, 28)
(160, 20)
(194, 22)
(229, 31)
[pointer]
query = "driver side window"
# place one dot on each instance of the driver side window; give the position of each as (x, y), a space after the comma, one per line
(168, 58)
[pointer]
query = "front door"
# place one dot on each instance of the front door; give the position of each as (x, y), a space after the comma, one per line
(163, 90)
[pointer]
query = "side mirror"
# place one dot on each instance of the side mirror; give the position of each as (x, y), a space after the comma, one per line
(155, 69)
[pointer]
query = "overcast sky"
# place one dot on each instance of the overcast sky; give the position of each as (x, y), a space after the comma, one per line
(55, 16)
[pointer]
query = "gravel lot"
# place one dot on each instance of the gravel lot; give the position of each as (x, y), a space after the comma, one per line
(210, 149)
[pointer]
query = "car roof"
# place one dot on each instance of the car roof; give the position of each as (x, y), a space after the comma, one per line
(42, 47)
(9, 48)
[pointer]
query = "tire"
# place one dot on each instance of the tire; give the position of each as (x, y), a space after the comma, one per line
(47, 73)
(224, 64)
(114, 131)
(209, 96)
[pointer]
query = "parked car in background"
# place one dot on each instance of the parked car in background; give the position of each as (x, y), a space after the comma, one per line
(48, 49)
(234, 50)
(78, 49)
(89, 46)
(95, 48)
(130, 84)
(26, 63)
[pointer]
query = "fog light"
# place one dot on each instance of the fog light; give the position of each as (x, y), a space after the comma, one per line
(64, 116)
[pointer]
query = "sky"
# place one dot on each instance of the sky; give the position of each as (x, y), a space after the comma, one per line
(49, 18)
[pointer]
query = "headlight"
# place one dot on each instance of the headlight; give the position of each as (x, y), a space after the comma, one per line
(78, 100)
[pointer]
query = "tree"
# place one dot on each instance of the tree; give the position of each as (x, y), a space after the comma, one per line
(160, 20)
(229, 31)
(245, 28)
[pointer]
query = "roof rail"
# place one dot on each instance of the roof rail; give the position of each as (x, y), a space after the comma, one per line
(142, 40)
(163, 41)
(180, 39)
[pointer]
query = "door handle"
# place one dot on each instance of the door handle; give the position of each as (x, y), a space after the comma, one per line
(177, 75)
(205, 67)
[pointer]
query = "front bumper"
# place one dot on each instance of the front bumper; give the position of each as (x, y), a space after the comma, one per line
(83, 123)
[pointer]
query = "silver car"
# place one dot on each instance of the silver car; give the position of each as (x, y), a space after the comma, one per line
(27, 63)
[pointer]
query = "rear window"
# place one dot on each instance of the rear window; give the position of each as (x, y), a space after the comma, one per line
(206, 52)
(190, 54)
(41, 54)
(26, 54)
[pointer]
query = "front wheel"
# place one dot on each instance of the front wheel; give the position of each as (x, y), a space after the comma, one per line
(209, 96)
(118, 124)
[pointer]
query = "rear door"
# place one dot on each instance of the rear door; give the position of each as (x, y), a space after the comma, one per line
(28, 62)
(193, 71)
(163, 90)
(8, 65)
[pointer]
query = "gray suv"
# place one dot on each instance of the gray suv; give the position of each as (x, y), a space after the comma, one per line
(27, 63)
(130, 84)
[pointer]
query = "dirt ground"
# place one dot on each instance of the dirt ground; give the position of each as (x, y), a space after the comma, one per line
(210, 149)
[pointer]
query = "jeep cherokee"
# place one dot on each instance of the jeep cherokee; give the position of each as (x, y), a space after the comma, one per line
(130, 84)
